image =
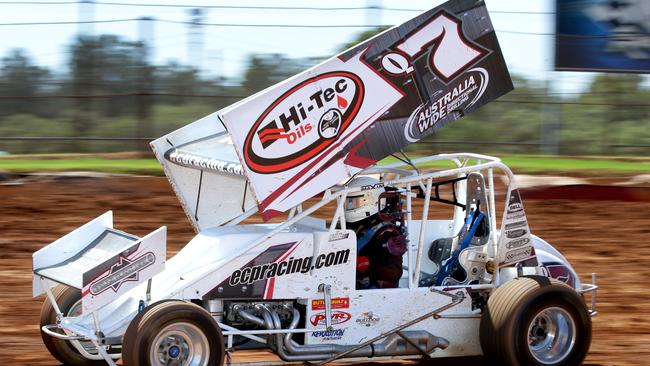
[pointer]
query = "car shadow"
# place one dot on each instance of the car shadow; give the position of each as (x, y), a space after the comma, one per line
(453, 361)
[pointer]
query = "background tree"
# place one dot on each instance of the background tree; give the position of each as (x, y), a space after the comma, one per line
(20, 80)
(266, 70)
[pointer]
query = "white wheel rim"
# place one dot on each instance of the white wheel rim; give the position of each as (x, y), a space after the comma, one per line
(180, 344)
(551, 336)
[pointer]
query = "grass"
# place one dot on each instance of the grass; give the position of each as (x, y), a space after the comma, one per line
(518, 163)
(532, 164)
(546, 164)
(126, 166)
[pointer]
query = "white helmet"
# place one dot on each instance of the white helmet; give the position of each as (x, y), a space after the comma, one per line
(362, 204)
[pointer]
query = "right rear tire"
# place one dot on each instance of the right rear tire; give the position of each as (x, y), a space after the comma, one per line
(535, 321)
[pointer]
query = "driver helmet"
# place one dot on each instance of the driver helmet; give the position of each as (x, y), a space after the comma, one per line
(362, 204)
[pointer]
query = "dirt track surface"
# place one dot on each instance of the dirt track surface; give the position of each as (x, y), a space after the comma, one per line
(607, 237)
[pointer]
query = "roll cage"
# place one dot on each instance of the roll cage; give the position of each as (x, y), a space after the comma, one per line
(407, 175)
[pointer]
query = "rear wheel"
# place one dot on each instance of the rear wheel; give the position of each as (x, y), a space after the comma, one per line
(173, 333)
(69, 301)
(535, 321)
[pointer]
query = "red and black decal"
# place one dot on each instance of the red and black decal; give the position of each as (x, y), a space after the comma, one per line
(325, 111)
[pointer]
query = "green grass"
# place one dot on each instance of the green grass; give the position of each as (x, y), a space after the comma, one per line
(127, 166)
(531, 164)
(545, 164)
(518, 163)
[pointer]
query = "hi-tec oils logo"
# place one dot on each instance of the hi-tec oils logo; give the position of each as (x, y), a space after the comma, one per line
(303, 122)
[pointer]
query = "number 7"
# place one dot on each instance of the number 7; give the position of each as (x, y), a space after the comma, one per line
(452, 52)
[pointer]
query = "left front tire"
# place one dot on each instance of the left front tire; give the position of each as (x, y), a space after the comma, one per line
(173, 333)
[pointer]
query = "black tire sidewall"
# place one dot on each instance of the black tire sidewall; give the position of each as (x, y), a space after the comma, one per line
(175, 312)
(62, 350)
(547, 297)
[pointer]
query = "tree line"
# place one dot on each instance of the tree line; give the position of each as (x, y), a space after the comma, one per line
(109, 89)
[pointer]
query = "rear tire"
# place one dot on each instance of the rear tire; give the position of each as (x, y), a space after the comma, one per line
(173, 332)
(535, 321)
(68, 299)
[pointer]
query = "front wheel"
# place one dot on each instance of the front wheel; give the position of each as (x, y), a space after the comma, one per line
(173, 333)
(69, 301)
(535, 321)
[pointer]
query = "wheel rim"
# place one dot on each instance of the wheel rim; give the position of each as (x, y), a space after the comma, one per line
(75, 310)
(180, 344)
(551, 335)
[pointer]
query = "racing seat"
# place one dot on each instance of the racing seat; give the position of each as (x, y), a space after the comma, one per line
(475, 232)
(448, 266)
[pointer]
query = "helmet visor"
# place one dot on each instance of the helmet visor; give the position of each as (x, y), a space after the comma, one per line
(355, 202)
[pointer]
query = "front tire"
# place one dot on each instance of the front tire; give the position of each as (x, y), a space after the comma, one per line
(173, 333)
(535, 321)
(69, 301)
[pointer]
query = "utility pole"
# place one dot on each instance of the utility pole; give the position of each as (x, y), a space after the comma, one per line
(84, 72)
(551, 122)
(144, 78)
(195, 38)
(146, 37)
(373, 12)
(86, 17)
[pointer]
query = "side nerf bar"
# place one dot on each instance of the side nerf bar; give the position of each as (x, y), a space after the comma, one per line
(590, 288)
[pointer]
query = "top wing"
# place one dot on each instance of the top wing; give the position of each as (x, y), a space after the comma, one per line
(307, 133)
(205, 173)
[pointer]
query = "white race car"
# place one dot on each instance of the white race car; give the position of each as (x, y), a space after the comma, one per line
(319, 287)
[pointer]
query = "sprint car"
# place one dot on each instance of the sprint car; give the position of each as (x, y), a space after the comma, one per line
(291, 286)
(286, 157)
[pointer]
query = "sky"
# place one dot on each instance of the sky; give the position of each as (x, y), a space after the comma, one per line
(524, 38)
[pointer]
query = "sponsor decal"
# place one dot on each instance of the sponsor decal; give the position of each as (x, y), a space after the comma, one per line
(367, 319)
(511, 234)
(515, 207)
(303, 122)
(517, 243)
(467, 91)
(200, 162)
(372, 186)
(339, 235)
(514, 203)
(249, 275)
(515, 225)
(515, 215)
(329, 335)
(519, 254)
(336, 303)
(338, 317)
(125, 270)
